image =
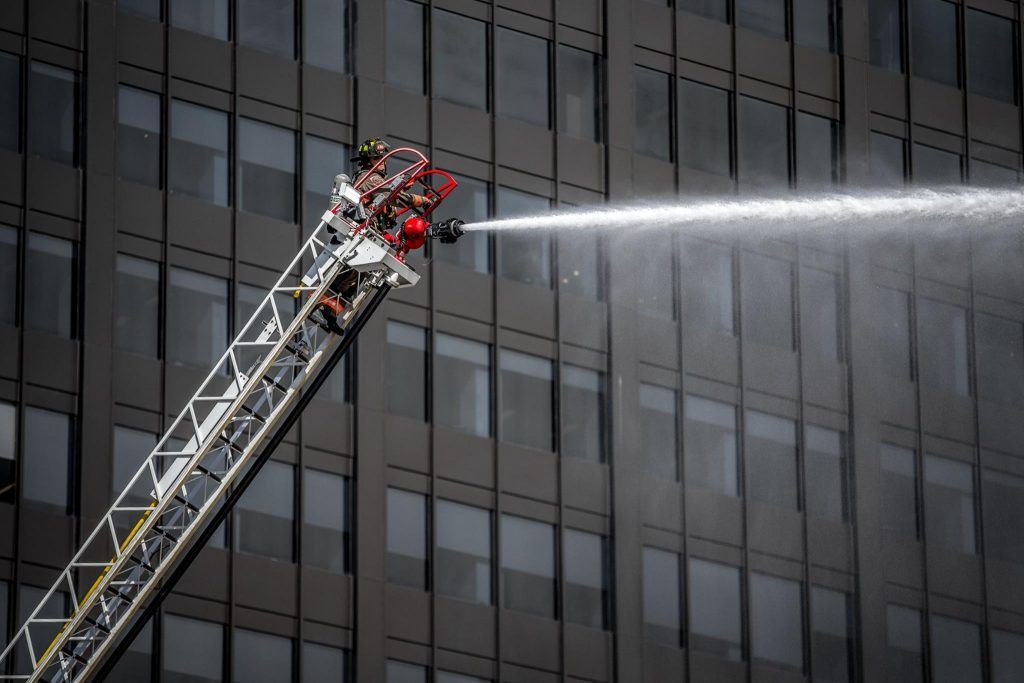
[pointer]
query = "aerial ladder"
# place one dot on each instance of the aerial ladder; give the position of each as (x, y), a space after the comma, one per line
(229, 428)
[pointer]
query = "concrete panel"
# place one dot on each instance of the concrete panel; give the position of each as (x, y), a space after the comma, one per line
(463, 292)
(897, 401)
(407, 443)
(199, 225)
(11, 177)
(762, 57)
(662, 502)
(328, 425)
(886, 93)
(1001, 428)
(51, 361)
(1005, 582)
(658, 341)
(536, 158)
(267, 77)
(328, 94)
(10, 341)
(902, 560)
(464, 457)
(657, 22)
(325, 597)
(937, 106)
(137, 381)
(706, 667)
(662, 663)
(824, 383)
(711, 355)
(770, 369)
(139, 210)
(529, 640)
(713, 516)
(407, 114)
(994, 122)
(465, 627)
(588, 653)
(265, 242)
(252, 575)
(775, 530)
(140, 42)
(207, 578)
(583, 322)
(946, 414)
(829, 544)
(407, 615)
(581, 162)
(817, 72)
(528, 472)
(589, 485)
(538, 318)
(462, 130)
(954, 574)
(43, 522)
(200, 58)
(54, 188)
(704, 40)
(57, 21)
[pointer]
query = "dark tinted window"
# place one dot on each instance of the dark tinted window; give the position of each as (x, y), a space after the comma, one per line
(266, 169)
(463, 553)
(991, 56)
(949, 503)
(899, 489)
(716, 622)
(1007, 656)
(10, 101)
(713, 9)
(776, 621)
(830, 635)
(131, 448)
(193, 651)
(326, 34)
(767, 285)
(933, 29)
(527, 396)
(521, 91)
(763, 144)
(583, 411)
(407, 538)
(819, 318)
(942, 339)
(8, 481)
(888, 160)
(658, 426)
(655, 283)
(149, 9)
(327, 534)
(209, 17)
(46, 458)
(935, 166)
(462, 385)
(956, 650)
(197, 318)
(652, 106)
(814, 23)
(136, 664)
(138, 136)
(817, 152)
(524, 257)
(581, 266)
(904, 637)
(992, 175)
(267, 25)
(710, 445)
(771, 459)
(662, 599)
(470, 202)
(260, 657)
(324, 159)
(579, 93)
(56, 607)
(885, 29)
(587, 590)
(50, 288)
(403, 672)
(53, 113)
(704, 127)
(528, 565)
(137, 306)
(460, 59)
(198, 151)
(405, 370)
(323, 663)
(1004, 525)
(825, 473)
(894, 331)
(764, 16)
(8, 275)
(1000, 357)
(707, 272)
(404, 59)
(265, 515)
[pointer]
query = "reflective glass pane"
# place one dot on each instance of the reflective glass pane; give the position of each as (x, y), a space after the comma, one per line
(4, 611)
(53, 113)
(942, 340)
(1007, 656)
(405, 370)
(771, 459)
(198, 151)
(46, 460)
(136, 664)
(764, 16)
(830, 635)
(935, 166)
(933, 29)
(462, 385)
(265, 515)
(707, 272)
(528, 566)
(131, 448)
(1000, 355)
(704, 127)
(583, 410)
(56, 607)
(407, 538)
(888, 160)
(260, 657)
(404, 54)
(50, 292)
(885, 32)
(817, 152)
(949, 503)
(655, 283)
(523, 68)
(449, 677)
(767, 287)
(586, 598)
(138, 135)
(150, 9)
(525, 257)
(893, 331)
(991, 56)
(662, 605)
(712, 9)
(956, 650)
(322, 663)
(10, 101)
(710, 445)
(527, 398)
(327, 534)
(8, 446)
(763, 144)
(193, 651)
(463, 553)
(825, 473)
(814, 23)
(1004, 524)
(137, 306)
(323, 160)
(8, 275)
(899, 490)
(266, 169)
(776, 621)
(579, 94)
(267, 25)
(819, 317)
(404, 672)
(904, 637)
(652, 106)
(459, 59)
(197, 318)
(581, 266)
(716, 622)
(470, 202)
(209, 17)
(658, 431)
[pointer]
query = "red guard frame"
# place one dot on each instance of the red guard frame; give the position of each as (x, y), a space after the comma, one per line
(418, 178)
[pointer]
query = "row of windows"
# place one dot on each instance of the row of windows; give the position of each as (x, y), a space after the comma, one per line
(814, 21)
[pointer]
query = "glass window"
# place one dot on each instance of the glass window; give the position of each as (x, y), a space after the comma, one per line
(324, 159)
(1000, 357)
(405, 370)
(459, 59)
(709, 442)
(949, 503)
(136, 664)
(407, 538)
(763, 143)
(652, 106)
(899, 489)
(527, 398)
(55, 608)
(764, 16)
(10, 102)
(524, 257)
(771, 459)
(51, 293)
(322, 663)
(266, 169)
(658, 431)
(716, 622)
(776, 621)
(935, 166)
(583, 413)
(193, 651)
(4, 610)
(137, 306)
(819, 320)
(933, 31)
(904, 636)
(8, 452)
(131, 448)
(327, 534)
(260, 657)
(885, 29)
(54, 114)
(830, 635)
(704, 127)
(817, 151)
(825, 472)
(198, 151)
(662, 600)
(992, 175)
(707, 271)
(767, 286)
(888, 160)
(403, 672)
(1007, 656)
(463, 553)
(265, 516)
(522, 68)
(209, 17)
(655, 283)
(581, 266)
(404, 58)
(449, 677)
(462, 385)
(712, 9)
(587, 589)
(46, 460)
(814, 24)
(580, 94)
(956, 650)
(268, 25)
(528, 566)
(197, 318)
(894, 331)
(138, 135)
(991, 56)
(943, 344)
(150, 9)
(1004, 524)
(8, 275)
(470, 202)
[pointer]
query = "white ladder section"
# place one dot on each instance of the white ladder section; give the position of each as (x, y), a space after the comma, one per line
(236, 409)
